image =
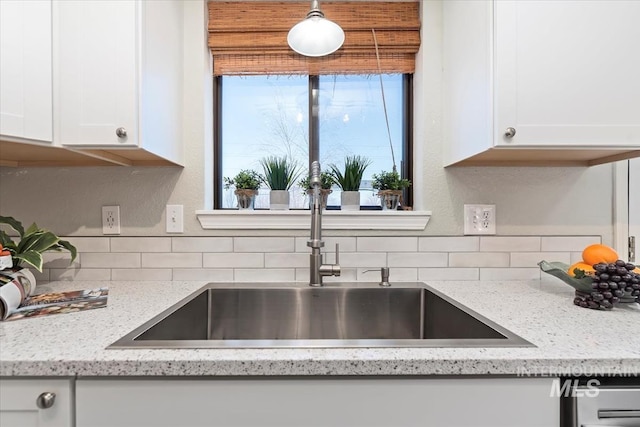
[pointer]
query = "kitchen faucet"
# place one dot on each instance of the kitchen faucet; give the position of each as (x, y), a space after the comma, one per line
(317, 270)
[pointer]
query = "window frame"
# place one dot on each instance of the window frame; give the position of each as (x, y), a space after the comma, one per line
(406, 162)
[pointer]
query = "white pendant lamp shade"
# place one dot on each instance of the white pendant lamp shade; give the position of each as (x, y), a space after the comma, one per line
(316, 35)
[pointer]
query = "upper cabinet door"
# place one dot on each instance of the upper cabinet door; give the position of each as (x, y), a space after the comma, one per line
(567, 73)
(25, 70)
(97, 72)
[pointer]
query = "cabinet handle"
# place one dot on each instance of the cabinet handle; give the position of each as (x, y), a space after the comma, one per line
(46, 400)
(510, 132)
(121, 132)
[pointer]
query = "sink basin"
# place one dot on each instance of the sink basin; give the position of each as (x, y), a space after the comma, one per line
(336, 316)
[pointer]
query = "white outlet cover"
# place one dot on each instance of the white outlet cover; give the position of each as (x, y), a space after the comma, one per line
(111, 220)
(479, 219)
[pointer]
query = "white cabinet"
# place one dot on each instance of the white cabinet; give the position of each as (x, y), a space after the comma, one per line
(327, 402)
(541, 82)
(25, 70)
(23, 403)
(118, 78)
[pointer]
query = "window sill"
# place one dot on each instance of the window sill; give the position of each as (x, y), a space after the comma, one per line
(300, 220)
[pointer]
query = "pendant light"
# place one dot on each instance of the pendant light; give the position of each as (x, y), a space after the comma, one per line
(315, 35)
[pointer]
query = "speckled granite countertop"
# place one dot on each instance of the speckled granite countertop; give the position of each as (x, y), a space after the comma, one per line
(569, 340)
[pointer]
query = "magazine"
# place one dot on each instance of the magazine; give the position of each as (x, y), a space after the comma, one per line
(16, 301)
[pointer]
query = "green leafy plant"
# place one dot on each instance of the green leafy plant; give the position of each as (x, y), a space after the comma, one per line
(280, 173)
(326, 181)
(389, 181)
(33, 242)
(349, 178)
(246, 179)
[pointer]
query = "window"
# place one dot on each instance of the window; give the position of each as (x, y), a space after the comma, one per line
(270, 115)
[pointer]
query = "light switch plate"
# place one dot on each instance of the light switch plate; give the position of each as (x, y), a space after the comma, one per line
(175, 219)
(479, 219)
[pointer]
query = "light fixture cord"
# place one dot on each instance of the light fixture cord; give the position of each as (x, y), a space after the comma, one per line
(384, 103)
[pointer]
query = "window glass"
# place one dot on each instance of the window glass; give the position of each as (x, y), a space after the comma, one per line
(352, 122)
(269, 116)
(263, 116)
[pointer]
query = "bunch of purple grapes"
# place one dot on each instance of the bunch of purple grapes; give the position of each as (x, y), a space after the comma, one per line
(611, 282)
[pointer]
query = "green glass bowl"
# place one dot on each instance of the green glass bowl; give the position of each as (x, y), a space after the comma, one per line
(583, 285)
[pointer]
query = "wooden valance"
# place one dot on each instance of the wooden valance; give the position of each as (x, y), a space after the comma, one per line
(250, 37)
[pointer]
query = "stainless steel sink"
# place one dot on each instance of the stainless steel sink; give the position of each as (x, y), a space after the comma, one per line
(340, 316)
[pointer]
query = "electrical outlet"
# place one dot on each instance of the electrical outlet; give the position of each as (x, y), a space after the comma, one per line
(175, 222)
(479, 219)
(111, 220)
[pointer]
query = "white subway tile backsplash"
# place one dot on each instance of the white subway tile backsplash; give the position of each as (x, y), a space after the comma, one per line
(346, 275)
(233, 260)
(426, 274)
(110, 260)
(387, 244)
(417, 259)
(286, 260)
(263, 244)
(509, 244)
(347, 244)
(395, 275)
(449, 244)
(509, 273)
(531, 259)
(143, 274)
(80, 274)
(575, 257)
(362, 259)
(567, 243)
(206, 274)
(41, 276)
(202, 244)
(172, 260)
(54, 259)
(479, 259)
(141, 244)
(265, 275)
(90, 244)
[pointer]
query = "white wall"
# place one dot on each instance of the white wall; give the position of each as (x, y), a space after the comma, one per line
(530, 201)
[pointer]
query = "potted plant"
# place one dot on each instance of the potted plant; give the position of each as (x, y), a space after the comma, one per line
(349, 179)
(326, 182)
(31, 244)
(389, 186)
(279, 175)
(247, 183)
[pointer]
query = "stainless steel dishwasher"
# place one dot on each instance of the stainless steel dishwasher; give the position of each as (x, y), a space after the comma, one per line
(608, 403)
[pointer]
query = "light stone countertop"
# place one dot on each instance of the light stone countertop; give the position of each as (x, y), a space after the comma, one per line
(569, 340)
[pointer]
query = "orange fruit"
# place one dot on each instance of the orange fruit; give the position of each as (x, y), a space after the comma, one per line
(580, 266)
(595, 254)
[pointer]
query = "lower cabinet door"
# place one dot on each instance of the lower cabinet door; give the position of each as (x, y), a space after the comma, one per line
(326, 402)
(36, 402)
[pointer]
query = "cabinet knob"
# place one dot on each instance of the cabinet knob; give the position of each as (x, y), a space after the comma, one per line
(46, 400)
(510, 132)
(121, 132)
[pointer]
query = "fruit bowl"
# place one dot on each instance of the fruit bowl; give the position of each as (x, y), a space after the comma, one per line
(585, 287)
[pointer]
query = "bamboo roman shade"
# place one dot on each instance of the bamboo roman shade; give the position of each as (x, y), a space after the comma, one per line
(250, 37)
